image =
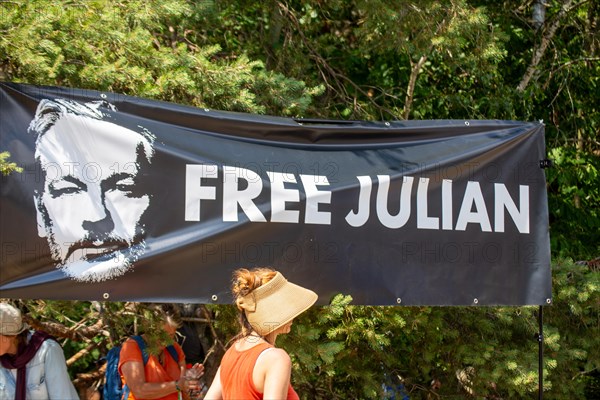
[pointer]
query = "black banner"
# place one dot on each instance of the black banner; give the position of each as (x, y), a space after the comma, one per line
(122, 198)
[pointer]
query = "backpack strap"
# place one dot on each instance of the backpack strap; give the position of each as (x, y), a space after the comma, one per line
(142, 345)
(171, 349)
(125, 394)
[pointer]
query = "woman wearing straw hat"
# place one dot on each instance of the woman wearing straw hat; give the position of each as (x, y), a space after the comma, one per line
(252, 368)
(32, 365)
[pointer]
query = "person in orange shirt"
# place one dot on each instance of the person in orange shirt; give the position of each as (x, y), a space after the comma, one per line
(253, 368)
(163, 376)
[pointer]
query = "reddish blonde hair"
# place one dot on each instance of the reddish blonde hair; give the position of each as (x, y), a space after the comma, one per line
(244, 282)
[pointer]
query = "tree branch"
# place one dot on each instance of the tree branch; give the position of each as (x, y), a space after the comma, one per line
(414, 73)
(82, 353)
(59, 330)
(539, 52)
(326, 69)
(89, 377)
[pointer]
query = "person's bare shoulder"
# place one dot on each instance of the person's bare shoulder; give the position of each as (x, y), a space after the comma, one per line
(274, 357)
(272, 373)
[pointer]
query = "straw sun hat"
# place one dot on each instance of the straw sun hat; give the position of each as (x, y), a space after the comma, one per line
(275, 303)
(11, 322)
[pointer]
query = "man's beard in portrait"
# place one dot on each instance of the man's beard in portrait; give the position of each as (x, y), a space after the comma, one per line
(88, 262)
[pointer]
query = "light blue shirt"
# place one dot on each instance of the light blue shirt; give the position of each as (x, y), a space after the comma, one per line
(47, 376)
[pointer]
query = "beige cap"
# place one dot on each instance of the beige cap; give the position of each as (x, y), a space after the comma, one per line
(275, 303)
(11, 322)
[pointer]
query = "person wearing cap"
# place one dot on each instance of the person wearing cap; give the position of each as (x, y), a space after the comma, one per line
(253, 368)
(32, 364)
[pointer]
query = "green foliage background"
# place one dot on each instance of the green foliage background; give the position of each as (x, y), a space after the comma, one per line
(371, 60)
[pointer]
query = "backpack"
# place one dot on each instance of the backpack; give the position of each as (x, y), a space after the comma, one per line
(113, 386)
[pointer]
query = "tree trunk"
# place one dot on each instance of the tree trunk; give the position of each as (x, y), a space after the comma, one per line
(539, 13)
(414, 73)
(275, 26)
(539, 52)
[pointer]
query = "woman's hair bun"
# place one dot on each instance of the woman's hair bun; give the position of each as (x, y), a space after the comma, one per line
(245, 280)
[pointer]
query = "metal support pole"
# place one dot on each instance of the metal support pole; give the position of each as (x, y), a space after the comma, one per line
(540, 337)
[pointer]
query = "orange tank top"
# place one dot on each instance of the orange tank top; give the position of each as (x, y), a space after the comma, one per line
(154, 371)
(236, 374)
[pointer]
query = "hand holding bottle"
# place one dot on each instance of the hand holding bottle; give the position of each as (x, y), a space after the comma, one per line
(193, 373)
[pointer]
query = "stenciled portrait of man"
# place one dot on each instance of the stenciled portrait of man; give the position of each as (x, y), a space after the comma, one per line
(89, 204)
